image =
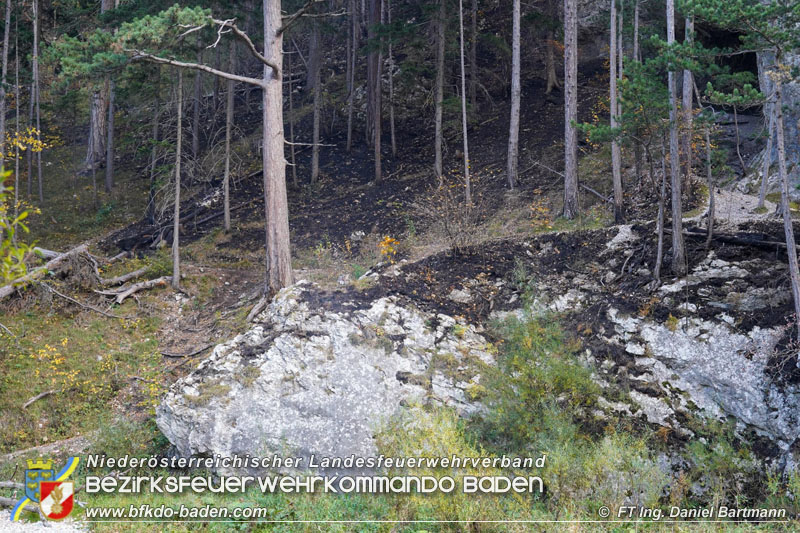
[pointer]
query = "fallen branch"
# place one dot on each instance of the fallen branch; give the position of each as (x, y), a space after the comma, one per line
(190, 354)
(11, 485)
(121, 255)
(46, 254)
(38, 397)
(163, 280)
(119, 280)
(260, 305)
(37, 273)
(81, 304)
(11, 502)
(595, 193)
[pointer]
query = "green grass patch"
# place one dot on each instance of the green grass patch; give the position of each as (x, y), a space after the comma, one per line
(84, 359)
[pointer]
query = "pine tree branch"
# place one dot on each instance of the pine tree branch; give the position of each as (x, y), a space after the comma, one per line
(291, 19)
(144, 56)
(242, 36)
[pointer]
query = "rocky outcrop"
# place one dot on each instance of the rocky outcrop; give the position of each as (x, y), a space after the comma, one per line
(706, 345)
(314, 380)
(791, 118)
(322, 371)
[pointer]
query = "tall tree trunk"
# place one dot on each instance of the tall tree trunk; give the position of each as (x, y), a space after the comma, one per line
(762, 191)
(570, 109)
(36, 14)
(96, 151)
(391, 83)
(314, 79)
(440, 44)
(616, 156)
(513, 133)
(151, 197)
(6, 40)
(293, 161)
(620, 34)
(94, 171)
(550, 50)
(97, 127)
(110, 139)
(473, 56)
(16, 109)
(791, 247)
(351, 74)
(226, 180)
(686, 108)
(636, 53)
(276, 207)
(710, 185)
(217, 65)
(662, 198)
(679, 266)
(374, 87)
(198, 87)
(467, 184)
(176, 216)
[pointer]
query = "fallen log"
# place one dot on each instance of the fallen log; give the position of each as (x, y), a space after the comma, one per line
(11, 485)
(133, 289)
(46, 254)
(37, 273)
(119, 280)
(757, 240)
(11, 502)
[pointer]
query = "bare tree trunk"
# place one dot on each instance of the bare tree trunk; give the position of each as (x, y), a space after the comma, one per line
(291, 122)
(440, 42)
(276, 206)
(110, 139)
(791, 247)
(679, 266)
(36, 13)
(6, 39)
(616, 156)
(226, 180)
(176, 217)
(16, 108)
(467, 184)
(762, 192)
(97, 127)
(513, 133)
(636, 52)
(662, 198)
(374, 88)
(550, 53)
(710, 185)
(391, 83)
(314, 79)
(93, 168)
(151, 200)
(217, 65)
(620, 34)
(473, 56)
(686, 108)
(351, 74)
(570, 109)
(29, 153)
(198, 86)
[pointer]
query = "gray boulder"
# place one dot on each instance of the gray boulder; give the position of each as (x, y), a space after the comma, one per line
(306, 380)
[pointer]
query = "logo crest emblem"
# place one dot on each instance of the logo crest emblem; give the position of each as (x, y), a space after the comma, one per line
(37, 472)
(57, 499)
